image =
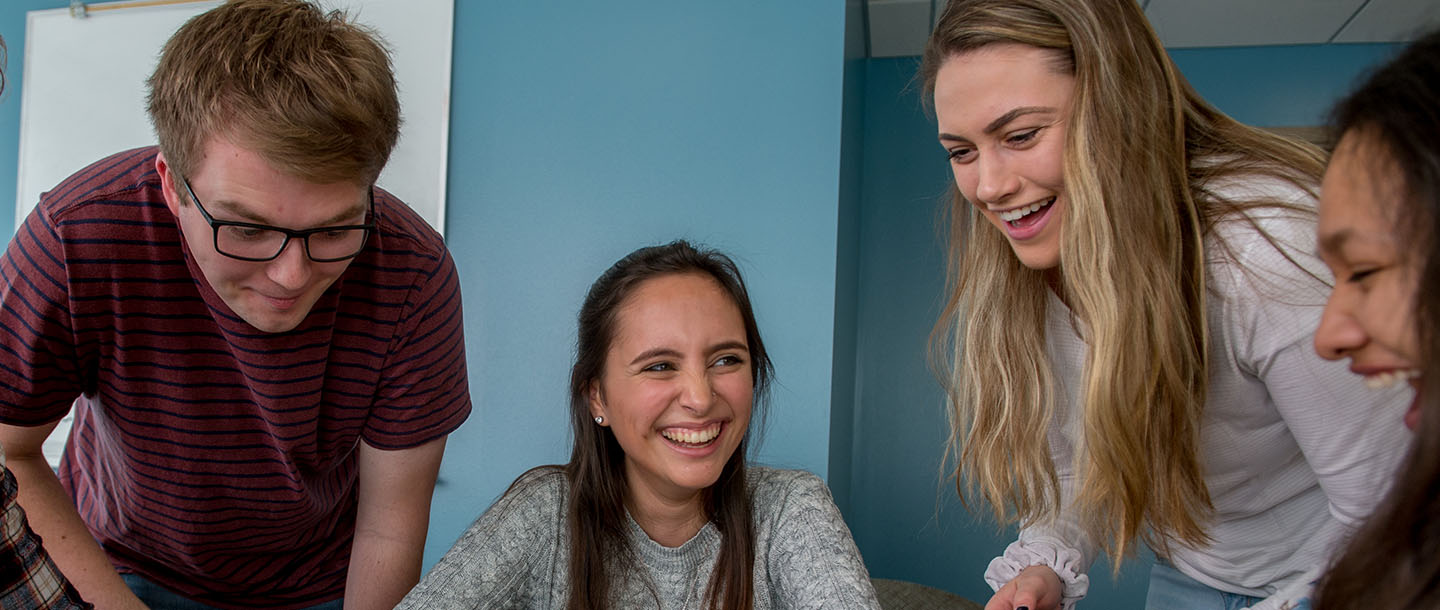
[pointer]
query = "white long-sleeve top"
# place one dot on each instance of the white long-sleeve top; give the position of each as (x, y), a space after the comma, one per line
(1296, 450)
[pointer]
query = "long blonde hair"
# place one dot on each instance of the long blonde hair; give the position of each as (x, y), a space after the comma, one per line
(1132, 271)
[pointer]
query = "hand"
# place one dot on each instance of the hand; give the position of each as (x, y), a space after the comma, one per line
(1035, 588)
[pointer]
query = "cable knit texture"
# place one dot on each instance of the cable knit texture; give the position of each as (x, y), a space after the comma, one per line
(514, 556)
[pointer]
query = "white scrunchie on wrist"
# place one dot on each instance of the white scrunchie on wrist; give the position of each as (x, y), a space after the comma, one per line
(1063, 560)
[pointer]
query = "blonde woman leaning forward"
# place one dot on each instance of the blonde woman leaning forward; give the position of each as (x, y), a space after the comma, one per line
(1128, 335)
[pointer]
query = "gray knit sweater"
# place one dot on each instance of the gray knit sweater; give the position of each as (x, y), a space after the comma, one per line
(515, 555)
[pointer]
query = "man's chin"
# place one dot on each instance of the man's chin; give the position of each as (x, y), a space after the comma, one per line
(270, 315)
(273, 325)
(272, 321)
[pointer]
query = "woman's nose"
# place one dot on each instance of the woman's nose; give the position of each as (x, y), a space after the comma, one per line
(1339, 333)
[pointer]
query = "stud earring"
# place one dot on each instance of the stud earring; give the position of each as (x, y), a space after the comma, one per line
(599, 419)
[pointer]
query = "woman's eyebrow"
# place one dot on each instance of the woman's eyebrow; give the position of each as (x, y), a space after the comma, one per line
(656, 352)
(728, 345)
(1016, 113)
(1333, 242)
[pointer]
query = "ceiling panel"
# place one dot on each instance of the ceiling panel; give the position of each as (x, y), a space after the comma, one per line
(898, 28)
(1391, 21)
(1212, 23)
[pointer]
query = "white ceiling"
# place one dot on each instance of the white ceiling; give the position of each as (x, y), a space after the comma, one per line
(898, 28)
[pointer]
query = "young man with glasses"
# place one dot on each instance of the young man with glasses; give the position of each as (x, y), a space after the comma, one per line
(263, 350)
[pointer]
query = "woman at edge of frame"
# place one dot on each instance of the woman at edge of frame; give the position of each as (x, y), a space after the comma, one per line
(1379, 232)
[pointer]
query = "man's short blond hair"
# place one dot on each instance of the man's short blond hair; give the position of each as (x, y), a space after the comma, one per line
(310, 92)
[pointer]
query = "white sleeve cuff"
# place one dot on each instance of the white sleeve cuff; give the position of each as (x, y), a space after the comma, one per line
(1291, 596)
(1066, 561)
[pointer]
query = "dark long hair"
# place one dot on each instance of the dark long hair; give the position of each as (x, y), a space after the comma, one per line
(1394, 559)
(597, 463)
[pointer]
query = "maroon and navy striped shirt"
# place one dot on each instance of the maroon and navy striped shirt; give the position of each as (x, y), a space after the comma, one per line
(207, 456)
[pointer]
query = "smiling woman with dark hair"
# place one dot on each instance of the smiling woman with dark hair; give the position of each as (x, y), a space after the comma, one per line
(1380, 233)
(658, 507)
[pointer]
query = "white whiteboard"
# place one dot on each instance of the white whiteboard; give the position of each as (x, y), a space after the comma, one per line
(83, 94)
(83, 98)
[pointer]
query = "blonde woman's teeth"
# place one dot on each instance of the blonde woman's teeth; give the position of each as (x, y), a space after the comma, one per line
(1386, 379)
(1021, 212)
(690, 436)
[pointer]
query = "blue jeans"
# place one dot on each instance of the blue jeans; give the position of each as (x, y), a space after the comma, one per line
(160, 598)
(1171, 590)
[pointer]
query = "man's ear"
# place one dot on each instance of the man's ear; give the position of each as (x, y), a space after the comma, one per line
(167, 185)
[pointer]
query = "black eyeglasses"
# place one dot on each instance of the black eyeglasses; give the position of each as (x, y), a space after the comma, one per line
(248, 241)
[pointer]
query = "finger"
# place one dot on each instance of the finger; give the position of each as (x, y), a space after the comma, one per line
(1026, 597)
(999, 604)
(1002, 598)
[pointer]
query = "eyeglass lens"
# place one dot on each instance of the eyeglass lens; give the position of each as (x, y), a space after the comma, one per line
(250, 242)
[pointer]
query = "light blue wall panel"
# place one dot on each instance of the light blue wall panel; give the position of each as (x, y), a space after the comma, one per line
(1278, 86)
(12, 29)
(847, 258)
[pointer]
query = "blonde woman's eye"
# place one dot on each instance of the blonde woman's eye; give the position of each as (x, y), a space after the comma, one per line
(1023, 137)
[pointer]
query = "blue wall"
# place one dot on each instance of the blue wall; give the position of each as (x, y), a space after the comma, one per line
(12, 29)
(1278, 86)
(906, 519)
(843, 409)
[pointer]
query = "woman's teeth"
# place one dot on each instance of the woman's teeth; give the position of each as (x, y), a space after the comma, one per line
(1386, 379)
(1018, 213)
(687, 436)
